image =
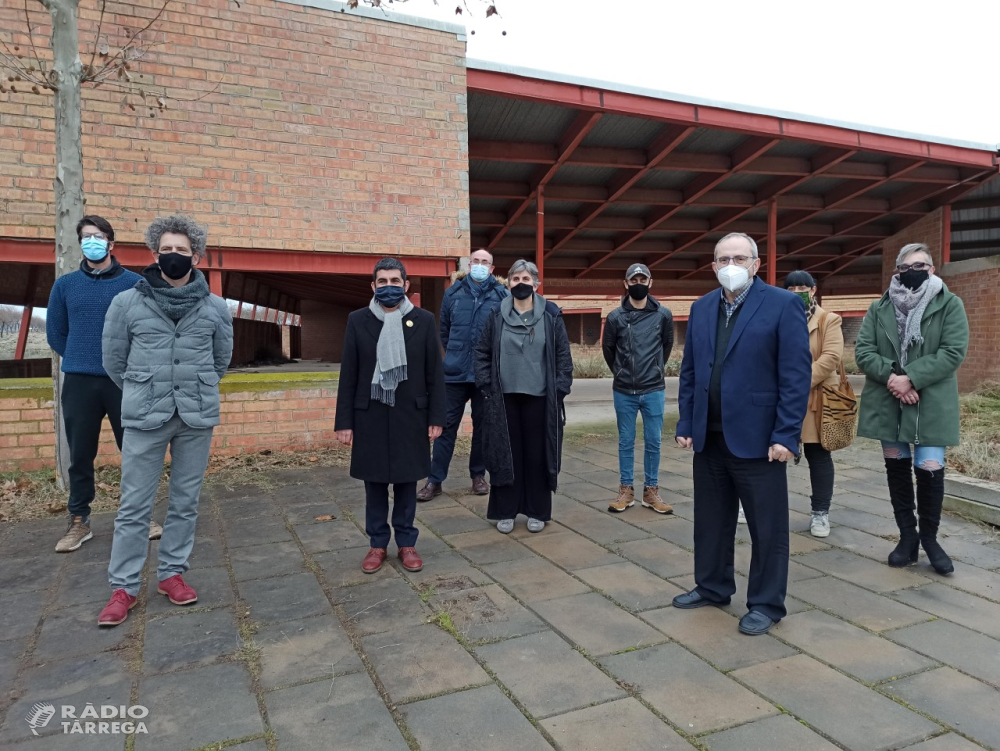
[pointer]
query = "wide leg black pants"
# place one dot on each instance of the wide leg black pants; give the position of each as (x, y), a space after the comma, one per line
(530, 494)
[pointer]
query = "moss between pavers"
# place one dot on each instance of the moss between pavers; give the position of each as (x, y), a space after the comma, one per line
(41, 388)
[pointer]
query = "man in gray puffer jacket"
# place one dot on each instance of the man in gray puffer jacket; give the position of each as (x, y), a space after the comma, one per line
(167, 343)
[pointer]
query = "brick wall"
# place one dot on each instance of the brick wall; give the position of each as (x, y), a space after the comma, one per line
(317, 130)
(927, 231)
(977, 282)
(280, 420)
(323, 328)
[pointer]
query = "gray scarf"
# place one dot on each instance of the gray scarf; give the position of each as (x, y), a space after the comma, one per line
(390, 366)
(176, 302)
(910, 306)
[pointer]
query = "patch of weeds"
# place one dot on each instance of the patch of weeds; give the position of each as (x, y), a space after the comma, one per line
(427, 593)
(443, 620)
(627, 650)
(219, 745)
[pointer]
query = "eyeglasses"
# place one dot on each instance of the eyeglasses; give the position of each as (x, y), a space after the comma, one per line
(477, 262)
(98, 235)
(918, 266)
(739, 260)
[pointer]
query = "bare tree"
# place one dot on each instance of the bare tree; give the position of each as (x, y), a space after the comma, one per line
(58, 69)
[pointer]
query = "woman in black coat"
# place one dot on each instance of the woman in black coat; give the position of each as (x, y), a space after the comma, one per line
(524, 368)
(390, 421)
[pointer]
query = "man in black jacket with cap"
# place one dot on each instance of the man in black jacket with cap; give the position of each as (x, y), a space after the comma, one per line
(638, 337)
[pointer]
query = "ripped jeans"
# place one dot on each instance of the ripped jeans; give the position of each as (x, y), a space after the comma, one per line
(930, 458)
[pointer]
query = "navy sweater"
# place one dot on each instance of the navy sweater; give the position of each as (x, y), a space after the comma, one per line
(75, 318)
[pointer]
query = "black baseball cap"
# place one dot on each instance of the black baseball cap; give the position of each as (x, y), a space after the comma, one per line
(636, 269)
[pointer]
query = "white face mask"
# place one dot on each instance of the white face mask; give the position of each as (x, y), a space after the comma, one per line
(733, 277)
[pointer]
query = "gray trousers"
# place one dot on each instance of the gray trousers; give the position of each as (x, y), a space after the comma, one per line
(143, 452)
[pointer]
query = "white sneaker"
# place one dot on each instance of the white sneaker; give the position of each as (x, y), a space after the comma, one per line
(820, 526)
(741, 518)
(505, 526)
(535, 525)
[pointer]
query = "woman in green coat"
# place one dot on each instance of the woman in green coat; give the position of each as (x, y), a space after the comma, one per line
(910, 346)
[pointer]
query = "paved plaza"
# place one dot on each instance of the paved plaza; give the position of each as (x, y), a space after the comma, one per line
(563, 639)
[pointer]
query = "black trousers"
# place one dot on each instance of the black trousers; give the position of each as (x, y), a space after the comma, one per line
(86, 400)
(721, 480)
(820, 475)
(530, 494)
(404, 508)
(459, 394)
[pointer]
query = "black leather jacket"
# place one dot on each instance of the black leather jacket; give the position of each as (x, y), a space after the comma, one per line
(637, 345)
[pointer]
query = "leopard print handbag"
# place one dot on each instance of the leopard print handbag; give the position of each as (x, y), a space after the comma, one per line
(838, 409)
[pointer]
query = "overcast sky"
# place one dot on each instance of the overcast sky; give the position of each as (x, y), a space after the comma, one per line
(920, 66)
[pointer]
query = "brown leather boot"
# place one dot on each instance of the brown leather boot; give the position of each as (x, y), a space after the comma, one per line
(626, 498)
(651, 499)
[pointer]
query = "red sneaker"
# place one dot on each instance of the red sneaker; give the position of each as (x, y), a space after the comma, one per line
(373, 561)
(411, 561)
(116, 611)
(177, 591)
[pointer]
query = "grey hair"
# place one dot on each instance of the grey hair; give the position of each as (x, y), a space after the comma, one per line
(744, 235)
(522, 265)
(910, 248)
(177, 225)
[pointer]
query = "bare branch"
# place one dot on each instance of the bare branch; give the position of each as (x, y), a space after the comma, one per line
(132, 38)
(31, 38)
(97, 39)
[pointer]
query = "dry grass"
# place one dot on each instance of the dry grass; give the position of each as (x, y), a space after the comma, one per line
(588, 362)
(979, 454)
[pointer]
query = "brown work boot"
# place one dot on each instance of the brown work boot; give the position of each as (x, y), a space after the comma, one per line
(428, 491)
(651, 499)
(480, 486)
(77, 534)
(626, 498)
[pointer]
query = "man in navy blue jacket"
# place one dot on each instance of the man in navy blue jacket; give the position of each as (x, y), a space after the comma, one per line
(466, 306)
(74, 323)
(744, 389)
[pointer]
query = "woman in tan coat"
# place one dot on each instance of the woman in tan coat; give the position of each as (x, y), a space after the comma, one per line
(825, 328)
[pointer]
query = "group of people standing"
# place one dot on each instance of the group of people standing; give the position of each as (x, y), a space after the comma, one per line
(756, 359)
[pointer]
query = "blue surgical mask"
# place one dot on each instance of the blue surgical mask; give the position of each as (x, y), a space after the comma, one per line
(479, 272)
(94, 248)
(389, 296)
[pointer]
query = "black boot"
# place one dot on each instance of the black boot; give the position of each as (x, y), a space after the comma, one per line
(930, 499)
(900, 479)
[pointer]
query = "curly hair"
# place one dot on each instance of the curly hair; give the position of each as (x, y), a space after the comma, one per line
(178, 225)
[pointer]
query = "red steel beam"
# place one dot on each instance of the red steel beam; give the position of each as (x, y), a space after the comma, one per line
(669, 139)
(945, 234)
(239, 259)
(699, 186)
(540, 237)
(772, 242)
(29, 297)
(596, 98)
(243, 291)
(215, 282)
(820, 165)
(574, 135)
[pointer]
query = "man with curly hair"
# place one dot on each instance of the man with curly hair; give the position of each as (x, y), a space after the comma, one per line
(167, 343)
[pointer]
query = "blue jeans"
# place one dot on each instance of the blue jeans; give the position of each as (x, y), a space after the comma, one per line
(921, 454)
(650, 406)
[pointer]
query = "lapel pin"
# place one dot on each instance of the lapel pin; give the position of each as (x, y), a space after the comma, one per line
(410, 324)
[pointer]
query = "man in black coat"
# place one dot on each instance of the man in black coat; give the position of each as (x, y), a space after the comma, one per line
(390, 405)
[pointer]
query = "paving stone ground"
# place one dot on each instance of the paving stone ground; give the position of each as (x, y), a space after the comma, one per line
(565, 639)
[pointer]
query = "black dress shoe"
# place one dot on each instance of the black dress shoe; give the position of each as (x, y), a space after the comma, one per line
(692, 599)
(755, 623)
(428, 491)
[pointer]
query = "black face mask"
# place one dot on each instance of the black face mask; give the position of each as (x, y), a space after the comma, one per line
(912, 279)
(174, 265)
(638, 291)
(522, 291)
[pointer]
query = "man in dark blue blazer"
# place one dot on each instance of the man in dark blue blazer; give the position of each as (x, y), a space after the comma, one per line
(744, 390)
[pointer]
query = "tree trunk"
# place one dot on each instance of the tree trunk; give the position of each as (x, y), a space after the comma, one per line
(67, 73)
